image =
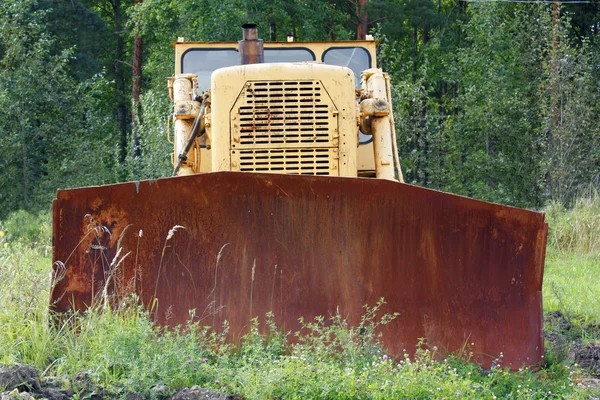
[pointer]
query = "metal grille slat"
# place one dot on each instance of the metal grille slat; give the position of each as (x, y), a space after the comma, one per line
(288, 161)
(297, 112)
(288, 127)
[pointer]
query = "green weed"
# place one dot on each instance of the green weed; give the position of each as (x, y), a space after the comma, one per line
(572, 284)
(577, 229)
(27, 228)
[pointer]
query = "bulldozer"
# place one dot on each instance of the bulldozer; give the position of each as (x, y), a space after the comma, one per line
(287, 197)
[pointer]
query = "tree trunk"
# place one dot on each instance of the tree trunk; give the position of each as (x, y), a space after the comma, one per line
(554, 66)
(136, 86)
(363, 20)
(24, 165)
(120, 80)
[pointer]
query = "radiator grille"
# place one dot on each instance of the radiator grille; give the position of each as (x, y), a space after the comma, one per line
(285, 127)
(284, 113)
(288, 161)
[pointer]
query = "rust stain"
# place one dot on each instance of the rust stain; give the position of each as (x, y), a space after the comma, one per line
(456, 269)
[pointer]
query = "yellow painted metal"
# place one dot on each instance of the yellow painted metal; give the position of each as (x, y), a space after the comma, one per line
(395, 151)
(185, 110)
(330, 90)
(286, 126)
(250, 145)
(365, 160)
(376, 107)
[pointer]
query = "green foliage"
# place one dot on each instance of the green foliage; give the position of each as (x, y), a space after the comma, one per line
(571, 285)
(156, 162)
(573, 261)
(496, 148)
(487, 103)
(571, 126)
(27, 228)
(24, 292)
(56, 132)
(576, 229)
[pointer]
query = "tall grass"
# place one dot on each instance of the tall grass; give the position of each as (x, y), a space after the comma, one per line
(572, 272)
(24, 288)
(577, 229)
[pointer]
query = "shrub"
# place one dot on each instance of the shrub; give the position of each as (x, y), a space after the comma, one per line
(27, 227)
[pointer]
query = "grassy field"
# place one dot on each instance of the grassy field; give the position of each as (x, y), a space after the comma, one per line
(572, 272)
(121, 352)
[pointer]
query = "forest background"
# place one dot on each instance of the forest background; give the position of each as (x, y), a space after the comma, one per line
(497, 100)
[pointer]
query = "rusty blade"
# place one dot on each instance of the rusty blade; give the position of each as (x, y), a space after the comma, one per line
(460, 272)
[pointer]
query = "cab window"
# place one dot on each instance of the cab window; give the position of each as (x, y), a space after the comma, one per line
(288, 55)
(203, 62)
(357, 59)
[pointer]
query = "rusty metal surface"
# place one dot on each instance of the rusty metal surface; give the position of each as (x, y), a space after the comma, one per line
(459, 271)
(251, 48)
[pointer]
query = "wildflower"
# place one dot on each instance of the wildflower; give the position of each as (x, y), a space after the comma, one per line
(218, 382)
(435, 348)
(344, 324)
(268, 347)
(457, 394)
(189, 361)
(385, 357)
(205, 360)
(358, 381)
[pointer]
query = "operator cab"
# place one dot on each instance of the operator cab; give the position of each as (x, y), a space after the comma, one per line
(203, 58)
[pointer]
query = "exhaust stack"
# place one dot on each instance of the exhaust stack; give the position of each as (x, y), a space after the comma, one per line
(251, 48)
